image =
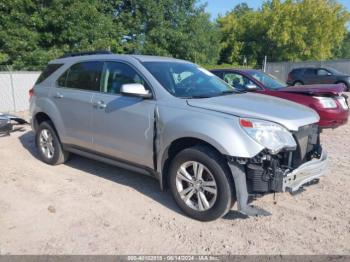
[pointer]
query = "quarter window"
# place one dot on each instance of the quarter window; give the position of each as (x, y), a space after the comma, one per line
(85, 75)
(116, 74)
(49, 70)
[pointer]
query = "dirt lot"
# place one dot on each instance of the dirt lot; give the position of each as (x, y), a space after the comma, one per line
(85, 207)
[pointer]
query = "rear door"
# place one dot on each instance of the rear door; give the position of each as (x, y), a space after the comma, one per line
(72, 96)
(122, 125)
(310, 76)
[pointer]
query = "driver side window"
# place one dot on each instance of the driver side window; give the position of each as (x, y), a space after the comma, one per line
(116, 74)
(323, 72)
(237, 81)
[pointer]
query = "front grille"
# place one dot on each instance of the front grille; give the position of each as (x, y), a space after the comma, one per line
(307, 137)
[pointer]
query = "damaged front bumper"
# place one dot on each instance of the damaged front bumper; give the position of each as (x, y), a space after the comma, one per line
(7, 123)
(306, 173)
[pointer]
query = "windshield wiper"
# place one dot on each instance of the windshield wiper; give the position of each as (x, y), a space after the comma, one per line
(197, 96)
(228, 92)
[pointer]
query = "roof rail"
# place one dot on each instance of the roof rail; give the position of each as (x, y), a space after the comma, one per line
(98, 52)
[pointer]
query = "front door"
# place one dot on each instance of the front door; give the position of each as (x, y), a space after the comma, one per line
(123, 126)
(324, 76)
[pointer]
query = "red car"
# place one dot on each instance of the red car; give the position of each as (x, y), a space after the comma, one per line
(328, 100)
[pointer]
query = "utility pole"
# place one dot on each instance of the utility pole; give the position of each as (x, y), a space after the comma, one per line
(265, 63)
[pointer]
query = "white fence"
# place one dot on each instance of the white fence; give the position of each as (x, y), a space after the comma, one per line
(14, 90)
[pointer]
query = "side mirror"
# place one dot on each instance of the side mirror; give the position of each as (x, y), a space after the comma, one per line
(251, 87)
(329, 74)
(137, 90)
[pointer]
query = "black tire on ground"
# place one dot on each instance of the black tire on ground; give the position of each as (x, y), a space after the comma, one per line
(59, 156)
(298, 83)
(213, 161)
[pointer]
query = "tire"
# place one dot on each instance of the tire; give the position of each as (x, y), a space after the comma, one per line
(221, 196)
(347, 87)
(298, 83)
(46, 137)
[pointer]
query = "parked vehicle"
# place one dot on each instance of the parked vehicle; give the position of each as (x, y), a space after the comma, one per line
(328, 100)
(173, 120)
(319, 75)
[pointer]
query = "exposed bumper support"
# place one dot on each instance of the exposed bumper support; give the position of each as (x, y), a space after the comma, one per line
(239, 177)
(306, 173)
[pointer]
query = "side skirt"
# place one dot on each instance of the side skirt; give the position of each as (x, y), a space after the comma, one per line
(109, 160)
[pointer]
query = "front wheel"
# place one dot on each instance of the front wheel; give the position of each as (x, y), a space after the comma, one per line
(201, 183)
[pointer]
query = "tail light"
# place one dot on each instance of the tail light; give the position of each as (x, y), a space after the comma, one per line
(31, 92)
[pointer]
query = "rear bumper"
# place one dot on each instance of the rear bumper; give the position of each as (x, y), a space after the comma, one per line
(306, 173)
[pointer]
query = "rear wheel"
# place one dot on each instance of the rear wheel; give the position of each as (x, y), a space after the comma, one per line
(201, 183)
(298, 83)
(49, 146)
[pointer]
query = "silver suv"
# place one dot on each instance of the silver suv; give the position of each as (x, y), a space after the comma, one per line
(210, 144)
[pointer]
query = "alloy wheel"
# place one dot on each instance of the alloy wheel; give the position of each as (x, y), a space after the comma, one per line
(196, 186)
(46, 143)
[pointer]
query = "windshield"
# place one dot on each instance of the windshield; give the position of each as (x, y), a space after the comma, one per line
(269, 81)
(186, 80)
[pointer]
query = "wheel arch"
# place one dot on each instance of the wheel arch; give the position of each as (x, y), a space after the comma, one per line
(40, 117)
(298, 81)
(347, 86)
(173, 149)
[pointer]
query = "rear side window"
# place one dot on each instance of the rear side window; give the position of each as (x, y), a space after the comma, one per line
(310, 71)
(49, 70)
(85, 75)
(296, 71)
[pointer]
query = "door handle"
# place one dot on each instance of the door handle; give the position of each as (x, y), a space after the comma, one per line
(100, 104)
(58, 95)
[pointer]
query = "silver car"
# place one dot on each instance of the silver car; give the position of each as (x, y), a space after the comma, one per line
(210, 144)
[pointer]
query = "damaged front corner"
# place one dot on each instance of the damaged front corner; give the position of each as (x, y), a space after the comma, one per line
(239, 177)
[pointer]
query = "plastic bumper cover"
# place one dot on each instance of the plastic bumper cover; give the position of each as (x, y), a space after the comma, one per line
(306, 173)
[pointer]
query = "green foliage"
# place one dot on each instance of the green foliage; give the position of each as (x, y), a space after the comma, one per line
(32, 32)
(170, 28)
(343, 51)
(283, 30)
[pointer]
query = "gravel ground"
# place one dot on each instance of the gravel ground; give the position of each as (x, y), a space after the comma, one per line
(86, 207)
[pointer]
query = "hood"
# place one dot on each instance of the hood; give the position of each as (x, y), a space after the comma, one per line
(333, 89)
(289, 114)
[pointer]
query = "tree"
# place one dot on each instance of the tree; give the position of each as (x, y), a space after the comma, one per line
(284, 30)
(343, 51)
(180, 29)
(32, 32)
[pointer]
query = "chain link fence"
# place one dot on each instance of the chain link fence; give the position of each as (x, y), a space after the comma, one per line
(282, 69)
(14, 89)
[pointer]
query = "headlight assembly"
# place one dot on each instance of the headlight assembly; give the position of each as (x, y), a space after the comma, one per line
(270, 135)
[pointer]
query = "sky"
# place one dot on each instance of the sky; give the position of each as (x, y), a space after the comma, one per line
(216, 7)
